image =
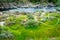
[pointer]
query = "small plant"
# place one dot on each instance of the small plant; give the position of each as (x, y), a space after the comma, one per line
(10, 20)
(31, 24)
(30, 16)
(5, 35)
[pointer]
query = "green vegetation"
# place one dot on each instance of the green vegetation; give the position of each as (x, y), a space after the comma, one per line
(56, 2)
(34, 27)
(29, 26)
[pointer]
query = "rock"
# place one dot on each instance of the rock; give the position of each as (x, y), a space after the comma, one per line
(2, 23)
(1, 13)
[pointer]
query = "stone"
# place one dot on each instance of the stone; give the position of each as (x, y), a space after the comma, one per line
(2, 23)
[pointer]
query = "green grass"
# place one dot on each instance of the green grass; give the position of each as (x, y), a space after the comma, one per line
(48, 30)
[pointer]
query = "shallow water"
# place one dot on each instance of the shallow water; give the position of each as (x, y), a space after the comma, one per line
(25, 9)
(33, 9)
